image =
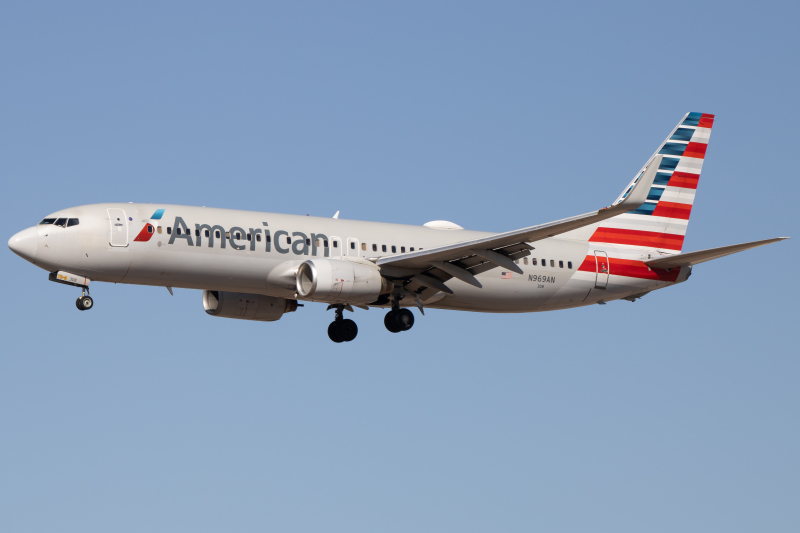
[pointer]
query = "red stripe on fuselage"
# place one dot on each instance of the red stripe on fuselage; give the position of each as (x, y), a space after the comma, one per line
(634, 237)
(672, 210)
(684, 179)
(630, 269)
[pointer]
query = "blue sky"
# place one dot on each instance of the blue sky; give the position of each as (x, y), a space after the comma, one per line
(677, 412)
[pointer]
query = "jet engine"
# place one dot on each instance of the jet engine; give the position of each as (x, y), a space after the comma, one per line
(246, 306)
(339, 281)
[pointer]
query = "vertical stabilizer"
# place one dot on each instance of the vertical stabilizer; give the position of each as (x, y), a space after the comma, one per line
(661, 222)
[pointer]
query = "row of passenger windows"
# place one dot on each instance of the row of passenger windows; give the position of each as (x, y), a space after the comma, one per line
(62, 222)
(383, 247)
(318, 242)
(534, 262)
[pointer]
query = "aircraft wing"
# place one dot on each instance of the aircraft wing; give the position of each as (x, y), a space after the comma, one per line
(693, 258)
(464, 260)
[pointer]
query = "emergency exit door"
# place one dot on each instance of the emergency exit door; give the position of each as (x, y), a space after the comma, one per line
(601, 260)
(119, 227)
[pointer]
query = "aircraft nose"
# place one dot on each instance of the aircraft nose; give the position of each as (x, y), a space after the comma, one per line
(25, 243)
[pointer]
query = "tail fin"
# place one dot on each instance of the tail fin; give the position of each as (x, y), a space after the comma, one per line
(661, 222)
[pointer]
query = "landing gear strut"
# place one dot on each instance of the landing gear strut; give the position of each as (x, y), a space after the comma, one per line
(85, 302)
(342, 329)
(397, 319)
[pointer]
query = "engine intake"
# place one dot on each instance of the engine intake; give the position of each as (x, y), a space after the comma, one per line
(246, 306)
(338, 281)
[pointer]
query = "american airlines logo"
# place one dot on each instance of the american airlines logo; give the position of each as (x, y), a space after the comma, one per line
(297, 242)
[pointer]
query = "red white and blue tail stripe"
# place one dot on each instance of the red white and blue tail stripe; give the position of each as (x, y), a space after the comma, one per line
(662, 221)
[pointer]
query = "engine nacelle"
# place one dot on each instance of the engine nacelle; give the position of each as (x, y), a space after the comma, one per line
(246, 306)
(339, 281)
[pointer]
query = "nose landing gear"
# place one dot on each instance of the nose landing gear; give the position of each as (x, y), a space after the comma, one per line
(85, 302)
(342, 329)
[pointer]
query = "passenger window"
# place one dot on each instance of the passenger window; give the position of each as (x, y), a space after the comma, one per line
(227, 234)
(412, 248)
(335, 244)
(544, 262)
(269, 238)
(352, 245)
(552, 262)
(215, 233)
(206, 232)
(325, 243)
(525, 260)
(374, 247)
(149, 229)
(158, 230)
(394, 249)
(197, 233)
(179, 231)
(316, 243)
(402, 249)
(533, 261)
(249, 236)
(308, 242)
(516, 261)
(47, 221)
(238, 235)
(72, 222)
(169, 231)
(561, 264)
(363, 247)
(61, 222)
(383, 247)
(258, 237)
(569, 264)
(288, 240)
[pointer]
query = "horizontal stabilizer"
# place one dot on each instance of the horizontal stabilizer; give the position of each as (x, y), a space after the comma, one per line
(693, 258)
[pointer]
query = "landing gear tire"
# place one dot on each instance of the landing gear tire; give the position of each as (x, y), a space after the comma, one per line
(79, 305)
(404, 319)
(391, 323)
(398, 320)
(348, 330)
(342, 330)
(86, 303)
(334, 333)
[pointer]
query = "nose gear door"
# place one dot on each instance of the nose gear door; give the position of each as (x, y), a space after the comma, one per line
(601, 260)
(119, 227)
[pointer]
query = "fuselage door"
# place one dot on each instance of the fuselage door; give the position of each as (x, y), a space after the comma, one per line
(119, 227)
(352, 247)
(601, 259)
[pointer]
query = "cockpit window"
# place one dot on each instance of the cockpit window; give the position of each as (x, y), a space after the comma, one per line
(72, 222)
(61, 222)
(47, 221)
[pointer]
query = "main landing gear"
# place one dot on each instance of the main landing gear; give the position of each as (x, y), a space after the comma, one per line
(342, 329)
(85, 302)
(397, 319)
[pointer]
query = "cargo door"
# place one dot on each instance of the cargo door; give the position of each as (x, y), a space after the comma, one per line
(119, 227)
(601, 260)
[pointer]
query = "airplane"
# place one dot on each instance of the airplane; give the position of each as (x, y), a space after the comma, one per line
(258, 266)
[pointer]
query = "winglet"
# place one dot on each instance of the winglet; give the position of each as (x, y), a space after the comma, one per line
(336, 215)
